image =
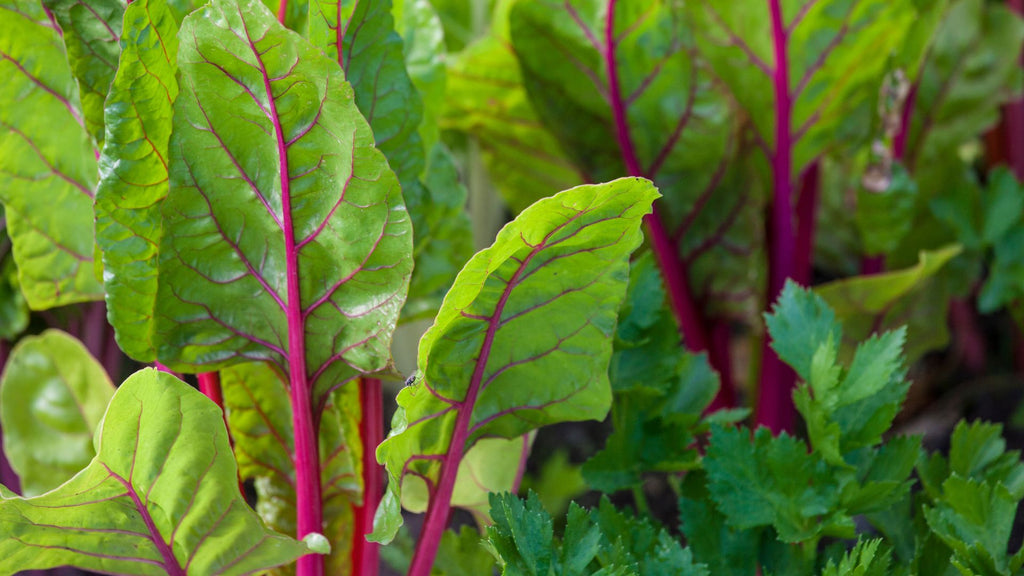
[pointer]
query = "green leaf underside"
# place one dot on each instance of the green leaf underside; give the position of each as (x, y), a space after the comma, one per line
(260, 417)
(370, 52)
(265, 122)
(52, 398)
(537, 308)
(160, 497)
(91, 32)
(46, 160)
(133, 172)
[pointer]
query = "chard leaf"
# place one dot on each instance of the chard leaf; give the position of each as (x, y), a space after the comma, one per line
(912, 297)
(836, 53)
(163, 480)
(91, 32)
(370, 51)
(1000, 229)
(283, 222)
(52, 397)
(133, 171)
(884, 218)
(537, 307)
(972, 68)
(627, 94)
(260, 418)
(47, 162)
(773, 481)
(486, 98)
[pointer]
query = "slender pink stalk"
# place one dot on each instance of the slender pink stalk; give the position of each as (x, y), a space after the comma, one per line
(775, 408)
(366, 555)
(306, 455)
(682, 303)
(806, 213)
(282, 11)
(7, 475)
(720, 337)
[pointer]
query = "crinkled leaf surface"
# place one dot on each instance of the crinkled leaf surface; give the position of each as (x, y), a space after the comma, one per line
(523, 338)
(878, 302)
(47, 163)
(679, 129)
(91, 32)
(260, 417)
(837, 52)
(971, 70)
(283, 221)
(133, 171)
(361, 37)
(161, 496)
(52, 397)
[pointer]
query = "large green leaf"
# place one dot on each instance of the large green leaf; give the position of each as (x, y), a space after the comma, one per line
(52, 397)
(160, 497)
(972, 68)
(627, 94)
(47, 163)
(879, 302)
(837, 53)
(361, 37)
(260, 418)
(523, 339)
(284, 229)
(91, 32)
(133, 171)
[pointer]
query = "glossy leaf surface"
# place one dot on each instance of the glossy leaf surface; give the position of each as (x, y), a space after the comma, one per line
(537, 307)
(46, 160)
(163, 481)
(52, 398)
(133, 171)
(91, 32)
(283, 221)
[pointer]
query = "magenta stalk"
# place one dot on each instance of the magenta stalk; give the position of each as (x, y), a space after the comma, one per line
(775, 407)
(366, 555)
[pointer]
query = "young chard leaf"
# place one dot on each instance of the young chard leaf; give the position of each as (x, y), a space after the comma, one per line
(163, 480)
(91, 32)
(47, 161)
(133, 171)
(537, 307)
(52, 397)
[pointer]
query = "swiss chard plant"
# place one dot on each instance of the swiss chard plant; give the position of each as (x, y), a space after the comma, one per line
(261, 193)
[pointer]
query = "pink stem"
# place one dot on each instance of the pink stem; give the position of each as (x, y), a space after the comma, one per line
(775, 408)
(720, 337)
(282, 11)
(7, 475)
(806, 212)
(970, 340)
(366, 555)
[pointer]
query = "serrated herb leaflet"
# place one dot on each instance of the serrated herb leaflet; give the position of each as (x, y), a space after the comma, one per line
(261, 193)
